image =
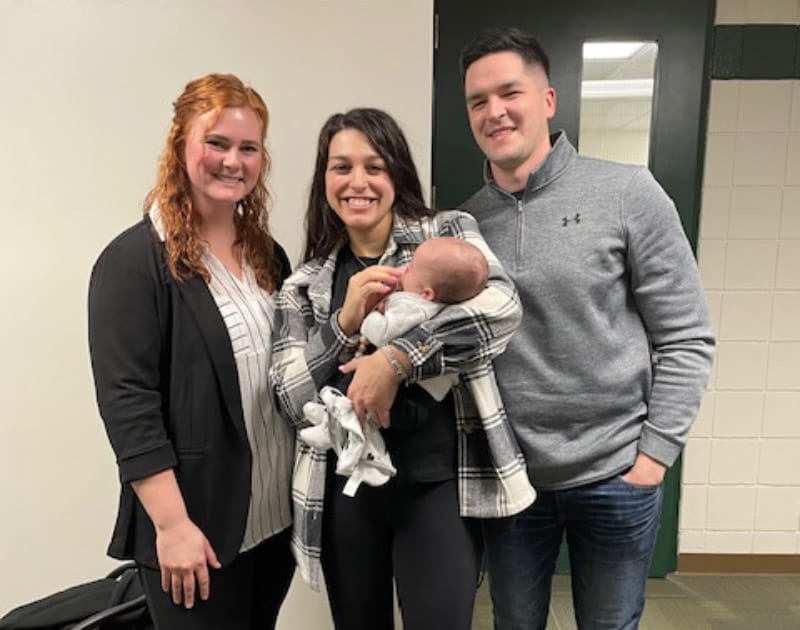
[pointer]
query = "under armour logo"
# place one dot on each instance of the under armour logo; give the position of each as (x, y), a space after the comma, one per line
(566, 220)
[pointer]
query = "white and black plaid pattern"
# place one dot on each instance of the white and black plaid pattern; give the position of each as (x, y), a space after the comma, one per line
(308, 346)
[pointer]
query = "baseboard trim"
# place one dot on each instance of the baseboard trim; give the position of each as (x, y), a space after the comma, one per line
(738, 563)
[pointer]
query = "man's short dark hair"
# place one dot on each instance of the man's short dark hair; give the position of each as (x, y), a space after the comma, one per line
(504, 39)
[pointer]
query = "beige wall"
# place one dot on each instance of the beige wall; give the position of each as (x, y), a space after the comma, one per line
(84, 107)
(741, 475)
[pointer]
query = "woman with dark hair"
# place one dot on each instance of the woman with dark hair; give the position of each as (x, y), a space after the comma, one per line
(456, 458)
(180, 310)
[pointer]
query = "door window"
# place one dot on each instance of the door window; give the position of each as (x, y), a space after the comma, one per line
(617, 88)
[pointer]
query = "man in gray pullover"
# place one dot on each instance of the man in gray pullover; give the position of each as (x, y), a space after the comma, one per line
(605, 375)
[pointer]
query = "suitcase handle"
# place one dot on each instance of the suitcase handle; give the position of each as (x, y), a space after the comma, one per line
(109, 613)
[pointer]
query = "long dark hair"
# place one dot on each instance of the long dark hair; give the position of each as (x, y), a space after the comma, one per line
(324, 229)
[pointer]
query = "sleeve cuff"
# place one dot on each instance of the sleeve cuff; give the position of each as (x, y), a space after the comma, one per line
(424, 352)
(147, 463)
(339, 336)
(658, 447)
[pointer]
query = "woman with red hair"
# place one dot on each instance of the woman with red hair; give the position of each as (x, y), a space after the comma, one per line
(180, 316)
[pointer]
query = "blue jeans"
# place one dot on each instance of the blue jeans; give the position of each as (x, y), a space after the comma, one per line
(611, 529)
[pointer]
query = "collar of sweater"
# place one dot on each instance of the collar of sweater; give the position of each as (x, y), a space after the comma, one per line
(561, 155)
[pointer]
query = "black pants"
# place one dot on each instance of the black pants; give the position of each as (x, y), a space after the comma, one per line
(411, 531)
(246, 595)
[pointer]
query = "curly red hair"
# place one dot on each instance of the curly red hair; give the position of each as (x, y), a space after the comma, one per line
(171, 192)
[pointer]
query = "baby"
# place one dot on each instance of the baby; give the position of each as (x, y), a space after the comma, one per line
(443, 270)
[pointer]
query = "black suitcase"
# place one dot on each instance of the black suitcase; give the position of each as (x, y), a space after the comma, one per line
(113, 602)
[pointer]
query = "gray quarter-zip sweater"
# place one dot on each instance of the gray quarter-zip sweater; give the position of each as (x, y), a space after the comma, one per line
(615, 345)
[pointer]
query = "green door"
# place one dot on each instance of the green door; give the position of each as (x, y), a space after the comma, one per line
(682, 31)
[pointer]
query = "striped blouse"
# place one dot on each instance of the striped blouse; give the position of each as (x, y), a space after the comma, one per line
(248, 314)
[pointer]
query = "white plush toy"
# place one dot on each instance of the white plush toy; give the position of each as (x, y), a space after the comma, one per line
(361, 450)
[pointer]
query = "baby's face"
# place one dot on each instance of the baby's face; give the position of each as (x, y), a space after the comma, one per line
(413, 279)
(421, 272)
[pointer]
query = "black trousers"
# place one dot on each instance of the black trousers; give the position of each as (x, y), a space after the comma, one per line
(246, 595)
(409, 531)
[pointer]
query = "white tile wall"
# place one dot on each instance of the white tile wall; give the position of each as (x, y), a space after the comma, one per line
(750, 264)
(788, 267)
(764, 106)
(757, 12)
(785, 320)
(719, 159)
(760, 159)
(779, 463)
(731, 508)
(745, 316)
(734, 461)
(730, 542)
(774, 542)
(781, 411)
(755, 212)
(771, 11)
(703, 425)
(711, 260)
(692, 540)
(790, 213)
(739, 414)
(694, 507)
(741, 477)
(714, 300)
(783, 367)
(731, 12)
(698, 461)
(723, 111)
(792, 160)
(741, 365)
(716, 209)
(777, 509)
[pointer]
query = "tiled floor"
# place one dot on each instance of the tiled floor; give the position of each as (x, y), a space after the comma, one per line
(689, 602)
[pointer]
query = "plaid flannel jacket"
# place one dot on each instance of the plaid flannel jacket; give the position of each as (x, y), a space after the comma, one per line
(309, 345)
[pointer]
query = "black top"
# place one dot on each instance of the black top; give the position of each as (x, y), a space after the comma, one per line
(422, 435)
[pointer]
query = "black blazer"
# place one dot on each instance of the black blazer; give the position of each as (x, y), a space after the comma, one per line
(168, 392)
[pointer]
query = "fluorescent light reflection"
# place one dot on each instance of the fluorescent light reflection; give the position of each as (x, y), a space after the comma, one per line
(610, 50)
